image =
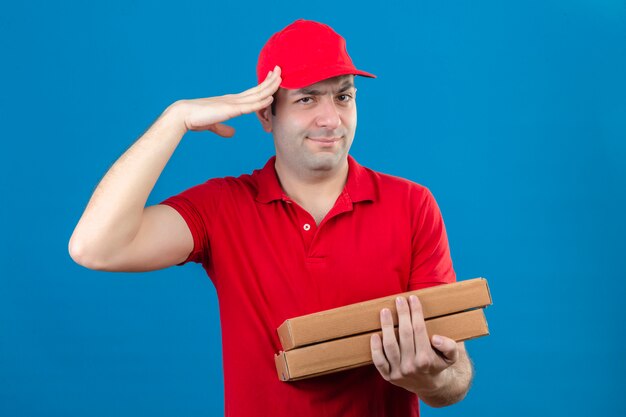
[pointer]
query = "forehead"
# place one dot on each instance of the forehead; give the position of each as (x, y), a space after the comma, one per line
(335, 84)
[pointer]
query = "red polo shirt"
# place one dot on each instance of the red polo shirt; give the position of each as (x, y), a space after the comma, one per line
(269, 261)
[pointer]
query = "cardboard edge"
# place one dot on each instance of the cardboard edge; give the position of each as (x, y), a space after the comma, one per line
(488, 292)
(291, 339)
(285, 335)
(282, 368)
(477, 319)
(332, 371)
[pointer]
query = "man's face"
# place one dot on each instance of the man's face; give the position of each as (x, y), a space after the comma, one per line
(314, 126)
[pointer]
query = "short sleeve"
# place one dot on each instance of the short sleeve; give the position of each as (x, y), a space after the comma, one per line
(431, 263)
(198, 206)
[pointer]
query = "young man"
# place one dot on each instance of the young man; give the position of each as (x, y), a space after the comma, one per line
(310, 231)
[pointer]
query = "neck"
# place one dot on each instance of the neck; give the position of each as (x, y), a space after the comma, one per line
(312, 188)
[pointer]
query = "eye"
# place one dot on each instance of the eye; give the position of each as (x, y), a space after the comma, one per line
(344, 97)
(305, 100)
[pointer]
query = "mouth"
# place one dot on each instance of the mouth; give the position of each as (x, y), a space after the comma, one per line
(325, 140)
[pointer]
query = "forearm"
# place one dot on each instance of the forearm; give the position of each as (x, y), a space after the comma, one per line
(453, 386)
(113, 215)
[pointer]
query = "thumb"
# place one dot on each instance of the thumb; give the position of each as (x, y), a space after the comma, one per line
(223, 130)
(446, 347)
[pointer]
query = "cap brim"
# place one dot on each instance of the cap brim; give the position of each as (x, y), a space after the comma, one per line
(301, 79)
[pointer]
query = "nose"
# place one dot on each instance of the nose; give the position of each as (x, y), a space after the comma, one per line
(328, 116)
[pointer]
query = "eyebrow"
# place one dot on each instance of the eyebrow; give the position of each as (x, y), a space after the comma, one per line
(313, 92)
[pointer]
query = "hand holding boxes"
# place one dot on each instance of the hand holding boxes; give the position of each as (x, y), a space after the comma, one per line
(339, 339)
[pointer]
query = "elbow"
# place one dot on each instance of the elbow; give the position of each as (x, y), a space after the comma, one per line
(453, 392)
(83, 255)
(440, 402)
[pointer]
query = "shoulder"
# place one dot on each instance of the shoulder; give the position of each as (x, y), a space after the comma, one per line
(245, 185)
(234, 190)
(242, 184)
(390, 186)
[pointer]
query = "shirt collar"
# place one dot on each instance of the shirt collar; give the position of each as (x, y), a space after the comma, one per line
(359, 186)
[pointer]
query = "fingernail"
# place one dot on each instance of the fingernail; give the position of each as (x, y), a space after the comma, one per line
(437, 340)
(385, 313)
(413, 299)
(275, 67)
(398, 301)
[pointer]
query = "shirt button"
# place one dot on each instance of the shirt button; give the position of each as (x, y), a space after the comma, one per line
(306, 227)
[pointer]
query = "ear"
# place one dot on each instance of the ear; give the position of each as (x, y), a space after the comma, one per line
(265, 117)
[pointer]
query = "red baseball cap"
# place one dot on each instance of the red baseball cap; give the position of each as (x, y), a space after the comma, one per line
(307, 52)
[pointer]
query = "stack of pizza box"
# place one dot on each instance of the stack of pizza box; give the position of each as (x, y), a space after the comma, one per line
(339, 339)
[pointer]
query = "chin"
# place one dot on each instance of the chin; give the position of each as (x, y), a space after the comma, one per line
(324, 162)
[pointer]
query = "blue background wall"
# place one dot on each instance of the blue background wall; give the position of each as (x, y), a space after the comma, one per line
(512, 112)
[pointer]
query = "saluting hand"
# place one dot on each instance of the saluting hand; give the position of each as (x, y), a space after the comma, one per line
(209, 113)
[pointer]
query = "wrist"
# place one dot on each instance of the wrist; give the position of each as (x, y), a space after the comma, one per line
(435, 384)
(448, 388)
(175, 115)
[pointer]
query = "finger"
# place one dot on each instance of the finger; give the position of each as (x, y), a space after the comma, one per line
(270, 83)
(259, 92)
(422, 342)
(378, 356)
(253, 106)
(405, 333)
(223, 130)
(270, 79)
(390, 344)
(238, 109)
(446, 347)
(425, 356)
(272, 75)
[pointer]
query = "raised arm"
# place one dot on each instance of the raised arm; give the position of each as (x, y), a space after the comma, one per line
(116, 231)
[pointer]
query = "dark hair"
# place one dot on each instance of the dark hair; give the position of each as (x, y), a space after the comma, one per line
(274, 104)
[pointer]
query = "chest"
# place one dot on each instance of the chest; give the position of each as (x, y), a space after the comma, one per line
(285, 262)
